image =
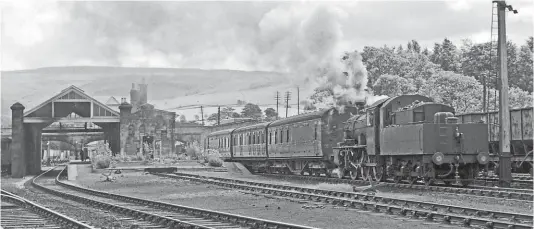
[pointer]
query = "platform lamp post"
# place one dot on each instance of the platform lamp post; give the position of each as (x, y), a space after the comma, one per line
(75, 148)
(48, 152)
(505, 171)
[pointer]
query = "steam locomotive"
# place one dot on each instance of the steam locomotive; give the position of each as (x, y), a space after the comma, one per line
(404, 138)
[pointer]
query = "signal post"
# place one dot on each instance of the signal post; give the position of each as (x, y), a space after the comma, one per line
(505, 170)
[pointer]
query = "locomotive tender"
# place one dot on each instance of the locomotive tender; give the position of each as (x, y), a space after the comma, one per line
(407, 137)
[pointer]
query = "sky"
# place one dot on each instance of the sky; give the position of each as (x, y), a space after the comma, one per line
(253, 35)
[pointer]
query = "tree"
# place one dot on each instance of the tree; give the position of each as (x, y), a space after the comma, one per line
(183, 119)
(393, 85)
(426, 52)
(459, 91)
(270, 113)
(415, 46)
(251, 111)
(519, 98)
(449, 59)
(410, 65)
(228, 112)
(197, 117)
(435, 57)
(212, 117)
(524, 66)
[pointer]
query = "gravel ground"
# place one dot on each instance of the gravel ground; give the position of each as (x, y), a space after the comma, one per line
(250, 204)
(92, 216)
(495, 204)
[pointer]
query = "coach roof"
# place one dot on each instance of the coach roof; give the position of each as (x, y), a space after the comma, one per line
(221, 132)
(302, 117)
(252, 127)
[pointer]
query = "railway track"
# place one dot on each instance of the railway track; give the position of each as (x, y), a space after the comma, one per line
(485, 191)
(448, 214)
(156, 214)
(517, 181)
(18, 212)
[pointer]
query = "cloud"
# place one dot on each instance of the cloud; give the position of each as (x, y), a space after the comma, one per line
(235, 35)
(459, 5)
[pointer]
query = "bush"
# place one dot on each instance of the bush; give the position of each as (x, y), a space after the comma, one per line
(102, 161)
(215, 161)
(194, 152)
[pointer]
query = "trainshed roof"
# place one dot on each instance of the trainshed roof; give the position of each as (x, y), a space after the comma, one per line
(302, 117)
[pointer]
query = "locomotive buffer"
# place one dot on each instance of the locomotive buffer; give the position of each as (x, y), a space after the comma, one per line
(505, 170)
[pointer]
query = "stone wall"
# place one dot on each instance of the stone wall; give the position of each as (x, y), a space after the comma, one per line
(147, 121)
(189, 133)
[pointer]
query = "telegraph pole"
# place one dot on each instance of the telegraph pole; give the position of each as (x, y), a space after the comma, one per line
(298, 100)
(277, 97)
(505, 171)
(219, 116)
(202, 114)
(288, 94)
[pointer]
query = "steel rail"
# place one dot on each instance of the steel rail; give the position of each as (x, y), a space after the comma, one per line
(196, 212)
(496, 192)
(448, 213)
(45, 214)
(118, 209)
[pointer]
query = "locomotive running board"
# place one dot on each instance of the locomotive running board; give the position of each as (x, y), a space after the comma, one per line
(350, 147)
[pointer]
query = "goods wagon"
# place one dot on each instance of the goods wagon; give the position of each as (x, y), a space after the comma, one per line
(521, 140)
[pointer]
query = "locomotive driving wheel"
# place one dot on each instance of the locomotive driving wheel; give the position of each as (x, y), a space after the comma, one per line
(364, 169)
(377, 172)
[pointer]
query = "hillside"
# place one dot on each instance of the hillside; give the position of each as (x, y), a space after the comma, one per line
(167, 87)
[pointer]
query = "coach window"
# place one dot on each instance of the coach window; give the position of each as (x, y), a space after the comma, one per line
(287, 134)
(276, 137)
(270, 137)
(315, 132)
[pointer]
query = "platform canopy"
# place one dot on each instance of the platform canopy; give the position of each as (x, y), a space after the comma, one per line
(69, 101)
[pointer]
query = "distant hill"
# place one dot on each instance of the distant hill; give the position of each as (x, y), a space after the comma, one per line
(167, 87)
